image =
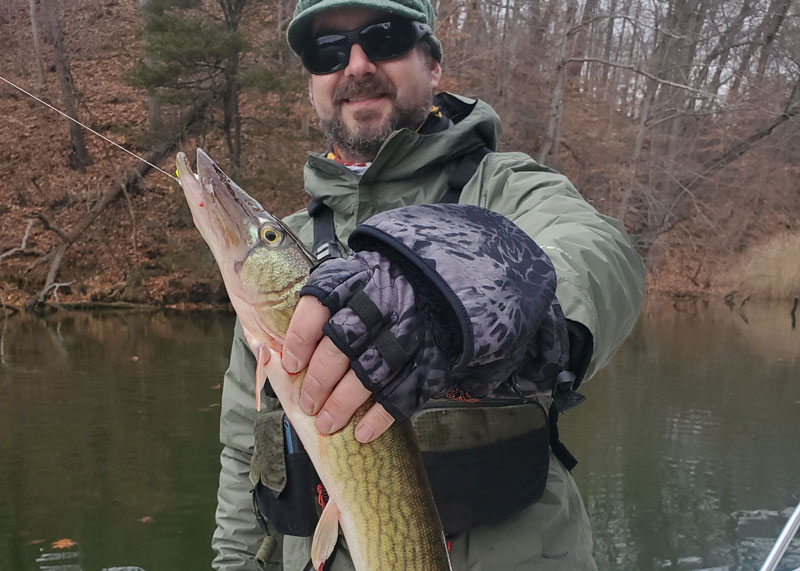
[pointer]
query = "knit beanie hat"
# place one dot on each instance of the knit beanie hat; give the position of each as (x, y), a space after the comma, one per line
(416, 10)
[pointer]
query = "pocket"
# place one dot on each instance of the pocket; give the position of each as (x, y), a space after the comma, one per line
(490, 482)
(284, 480)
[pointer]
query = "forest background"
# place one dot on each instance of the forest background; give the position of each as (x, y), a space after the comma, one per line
(678, 117)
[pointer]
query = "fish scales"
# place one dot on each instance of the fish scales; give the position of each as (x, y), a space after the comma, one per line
(386, 508)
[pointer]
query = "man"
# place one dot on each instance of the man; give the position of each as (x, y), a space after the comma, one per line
(489, 312)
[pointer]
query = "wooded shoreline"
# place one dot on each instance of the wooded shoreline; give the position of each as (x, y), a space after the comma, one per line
(679, 119)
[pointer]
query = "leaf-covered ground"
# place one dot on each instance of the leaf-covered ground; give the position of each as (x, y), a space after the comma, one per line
(143, 248)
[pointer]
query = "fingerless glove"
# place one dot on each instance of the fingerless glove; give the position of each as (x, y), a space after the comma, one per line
(440, 298)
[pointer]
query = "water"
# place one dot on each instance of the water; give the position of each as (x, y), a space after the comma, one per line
(108, 438)
(688, 443)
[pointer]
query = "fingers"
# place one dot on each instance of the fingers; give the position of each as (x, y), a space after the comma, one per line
(343, 402)
(345, 399)
(303, 334)
(331, 389)
(374, 423)
(326, 368)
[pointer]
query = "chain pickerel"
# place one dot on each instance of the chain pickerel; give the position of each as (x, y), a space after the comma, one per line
(378, 491)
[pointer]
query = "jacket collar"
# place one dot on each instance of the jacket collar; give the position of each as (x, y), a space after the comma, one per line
(405, 162)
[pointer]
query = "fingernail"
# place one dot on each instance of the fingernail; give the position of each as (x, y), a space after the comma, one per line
(324, 422)
(364, 433)
(289, 362)
(307, 403)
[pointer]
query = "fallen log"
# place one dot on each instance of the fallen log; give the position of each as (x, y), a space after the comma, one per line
(23, 247)
(127, 182)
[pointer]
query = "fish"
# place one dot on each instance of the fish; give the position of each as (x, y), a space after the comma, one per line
(378, 492)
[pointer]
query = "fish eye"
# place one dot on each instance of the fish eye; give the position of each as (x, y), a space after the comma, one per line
(270, 236)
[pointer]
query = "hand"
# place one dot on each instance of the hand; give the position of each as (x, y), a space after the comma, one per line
(331, 390)
(434, 297)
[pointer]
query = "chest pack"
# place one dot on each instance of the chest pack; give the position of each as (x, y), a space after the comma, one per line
(514, 438)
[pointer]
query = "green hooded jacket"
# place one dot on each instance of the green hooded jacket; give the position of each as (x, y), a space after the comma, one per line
(600, 285)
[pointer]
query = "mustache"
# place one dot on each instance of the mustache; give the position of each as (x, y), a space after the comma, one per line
(364, 88)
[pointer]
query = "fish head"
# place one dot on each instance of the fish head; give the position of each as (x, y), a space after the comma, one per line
(263, 264)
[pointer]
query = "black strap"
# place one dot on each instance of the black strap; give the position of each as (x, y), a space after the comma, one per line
(325, 245)
(559, 450)
(462, 174)
(564, 398)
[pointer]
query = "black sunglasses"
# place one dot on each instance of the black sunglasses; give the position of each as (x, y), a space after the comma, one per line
(380, 41)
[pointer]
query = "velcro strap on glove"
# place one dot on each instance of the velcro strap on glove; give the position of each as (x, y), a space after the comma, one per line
(378, 325)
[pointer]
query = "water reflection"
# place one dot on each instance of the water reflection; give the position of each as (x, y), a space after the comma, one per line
(108, 439)
(688, 433)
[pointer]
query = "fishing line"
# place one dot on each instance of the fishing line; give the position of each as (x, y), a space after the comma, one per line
(46, 104)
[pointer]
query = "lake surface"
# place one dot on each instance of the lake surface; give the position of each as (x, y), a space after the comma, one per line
(688, 444)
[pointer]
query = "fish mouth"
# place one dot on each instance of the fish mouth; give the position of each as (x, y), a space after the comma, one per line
(237, 208)
(227, 217)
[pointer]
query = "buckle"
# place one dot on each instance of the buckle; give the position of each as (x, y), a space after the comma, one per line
(326, 251)
(565, 396)
(565, 381)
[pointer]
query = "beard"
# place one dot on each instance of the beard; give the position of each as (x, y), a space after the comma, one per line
(365, 138)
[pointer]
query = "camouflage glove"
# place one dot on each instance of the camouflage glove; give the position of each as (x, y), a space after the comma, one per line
(443, 298)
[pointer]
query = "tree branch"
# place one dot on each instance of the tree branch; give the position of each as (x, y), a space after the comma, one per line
(50, 282)
(640, 71)
(23, 247)
(726, 157)
(635, 21)
(48, 225)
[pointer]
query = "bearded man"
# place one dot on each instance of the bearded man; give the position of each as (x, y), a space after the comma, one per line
(514, 290)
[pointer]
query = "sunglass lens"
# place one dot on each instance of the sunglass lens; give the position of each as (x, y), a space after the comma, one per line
(387, 40)
(327, 54)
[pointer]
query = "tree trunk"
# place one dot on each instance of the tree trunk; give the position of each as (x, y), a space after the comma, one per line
(721, 53)
(232, 120)
(629, 94)
(79, 157)
(549, 150)
(579, 43)
(37, 43)
(776, 19)
(689, 28)
(605, 73)
(153, 102)
(764, 33)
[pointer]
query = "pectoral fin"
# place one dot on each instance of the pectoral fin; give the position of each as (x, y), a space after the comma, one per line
(262, 353)
(326, 534)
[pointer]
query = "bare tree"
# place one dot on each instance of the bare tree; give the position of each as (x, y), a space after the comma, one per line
(37, 44)
(79, 156)
(549, 148)
(153, 101)
(762, 37)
